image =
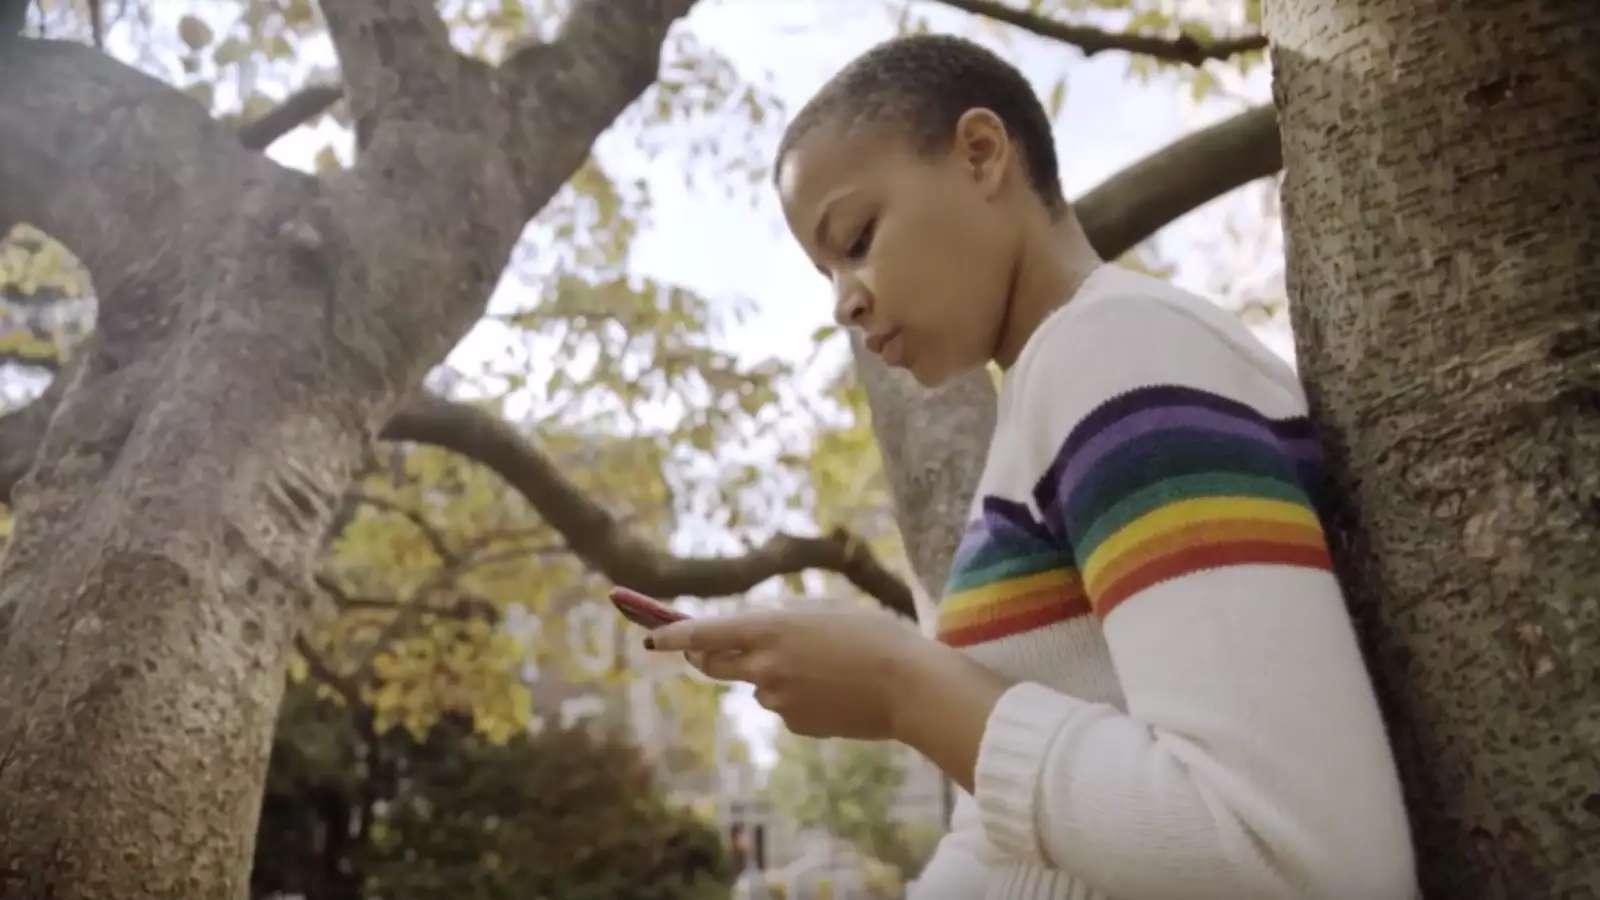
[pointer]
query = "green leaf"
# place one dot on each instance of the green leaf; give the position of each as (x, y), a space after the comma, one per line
(229, 51)
(327, 161)
(1058, 95)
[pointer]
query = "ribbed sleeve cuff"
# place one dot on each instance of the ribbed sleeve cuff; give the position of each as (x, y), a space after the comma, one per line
(1021, 727)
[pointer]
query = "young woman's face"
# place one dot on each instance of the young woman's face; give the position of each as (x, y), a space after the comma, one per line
(919, 249)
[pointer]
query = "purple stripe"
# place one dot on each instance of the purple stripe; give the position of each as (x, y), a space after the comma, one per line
(999, 524)
(1146, 421)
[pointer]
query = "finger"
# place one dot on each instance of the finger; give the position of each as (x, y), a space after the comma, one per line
(768, 698)
(745, 631)
(724, 665)
(699, 658)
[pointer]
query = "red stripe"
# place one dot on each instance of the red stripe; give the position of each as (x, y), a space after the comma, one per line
(1071, 606)
(1208, 556)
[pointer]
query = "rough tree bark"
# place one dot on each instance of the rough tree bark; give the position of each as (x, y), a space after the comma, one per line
(257, 328)
(1442, 215)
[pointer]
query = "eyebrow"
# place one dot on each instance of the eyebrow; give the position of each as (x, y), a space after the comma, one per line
(819, 237)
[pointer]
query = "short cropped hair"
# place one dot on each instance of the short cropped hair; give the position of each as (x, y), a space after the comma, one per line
(923, 84)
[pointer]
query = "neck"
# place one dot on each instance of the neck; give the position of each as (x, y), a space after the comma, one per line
(1054, 262)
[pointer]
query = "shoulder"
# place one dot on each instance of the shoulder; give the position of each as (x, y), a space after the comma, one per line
(1128, 333)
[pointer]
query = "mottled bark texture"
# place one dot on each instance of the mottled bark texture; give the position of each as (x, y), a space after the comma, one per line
(257, 328)
(1442, 214)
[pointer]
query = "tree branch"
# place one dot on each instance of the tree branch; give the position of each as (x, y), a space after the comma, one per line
(324, 673)
(464, 608)
(596, 537)
(395, 58)
(1143, 198)
(433, 535)
(563, 93)
(105, 158)
(297, 109)
(1184, 48)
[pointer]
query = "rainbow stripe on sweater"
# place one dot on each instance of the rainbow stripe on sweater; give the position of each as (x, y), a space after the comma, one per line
(1009, 575)
(1150, 486)
(1164, 481)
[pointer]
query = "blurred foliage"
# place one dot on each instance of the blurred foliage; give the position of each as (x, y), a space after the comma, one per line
(350, 815)
(848, 789)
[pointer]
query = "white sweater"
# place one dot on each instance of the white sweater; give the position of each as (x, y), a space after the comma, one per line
(1191, 717)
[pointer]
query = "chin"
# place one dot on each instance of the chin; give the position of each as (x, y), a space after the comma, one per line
(932, 375)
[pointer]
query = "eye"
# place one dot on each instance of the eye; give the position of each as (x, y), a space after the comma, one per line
(863, 241)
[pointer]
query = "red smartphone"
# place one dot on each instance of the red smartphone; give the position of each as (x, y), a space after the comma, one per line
(644, 610)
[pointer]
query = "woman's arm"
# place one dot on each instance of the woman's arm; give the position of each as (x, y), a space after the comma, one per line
(942, 705)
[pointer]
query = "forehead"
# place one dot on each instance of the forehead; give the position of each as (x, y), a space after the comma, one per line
(831, 159)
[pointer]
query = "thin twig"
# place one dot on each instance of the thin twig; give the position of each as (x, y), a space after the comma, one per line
(1184, 48)
(297, 109)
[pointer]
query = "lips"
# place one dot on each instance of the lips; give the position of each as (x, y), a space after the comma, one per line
(876, 342)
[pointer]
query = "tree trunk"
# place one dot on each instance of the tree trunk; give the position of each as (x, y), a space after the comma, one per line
(257, 327)
(1442, 214)
(933, 445)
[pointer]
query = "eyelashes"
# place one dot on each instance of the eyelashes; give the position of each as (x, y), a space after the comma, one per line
(863, 241)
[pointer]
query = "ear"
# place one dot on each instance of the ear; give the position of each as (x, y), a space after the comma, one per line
(983, 148)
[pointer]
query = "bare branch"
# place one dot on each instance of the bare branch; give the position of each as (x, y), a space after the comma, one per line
(434, 536)
(297, 109)
(466, 607)
(1141, 199)
(1184, 49)
(321, 671)
(596, 537)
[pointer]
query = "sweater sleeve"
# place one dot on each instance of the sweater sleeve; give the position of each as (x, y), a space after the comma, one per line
(1178, 468)
(959, 866)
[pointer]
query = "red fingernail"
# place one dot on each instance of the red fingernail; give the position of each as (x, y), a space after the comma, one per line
(649, 643)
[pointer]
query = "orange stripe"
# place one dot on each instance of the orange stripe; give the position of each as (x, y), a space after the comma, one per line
(1004, 607)
(1206, 531)
(1208, 556)
(1012, 617)
(1025, 621)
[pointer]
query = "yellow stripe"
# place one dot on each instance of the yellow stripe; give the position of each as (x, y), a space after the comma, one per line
(1189, 512)
(1008, 606)
(999, 590)
(1210, 533)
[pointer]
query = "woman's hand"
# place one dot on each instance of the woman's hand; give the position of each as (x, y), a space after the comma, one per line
(850, 675)
(825, 674)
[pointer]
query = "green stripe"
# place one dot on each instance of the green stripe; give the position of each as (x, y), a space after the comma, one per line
(1185, 487)
(1158, 456)
(1010, 567)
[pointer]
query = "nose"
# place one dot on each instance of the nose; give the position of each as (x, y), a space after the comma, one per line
(850, 305)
